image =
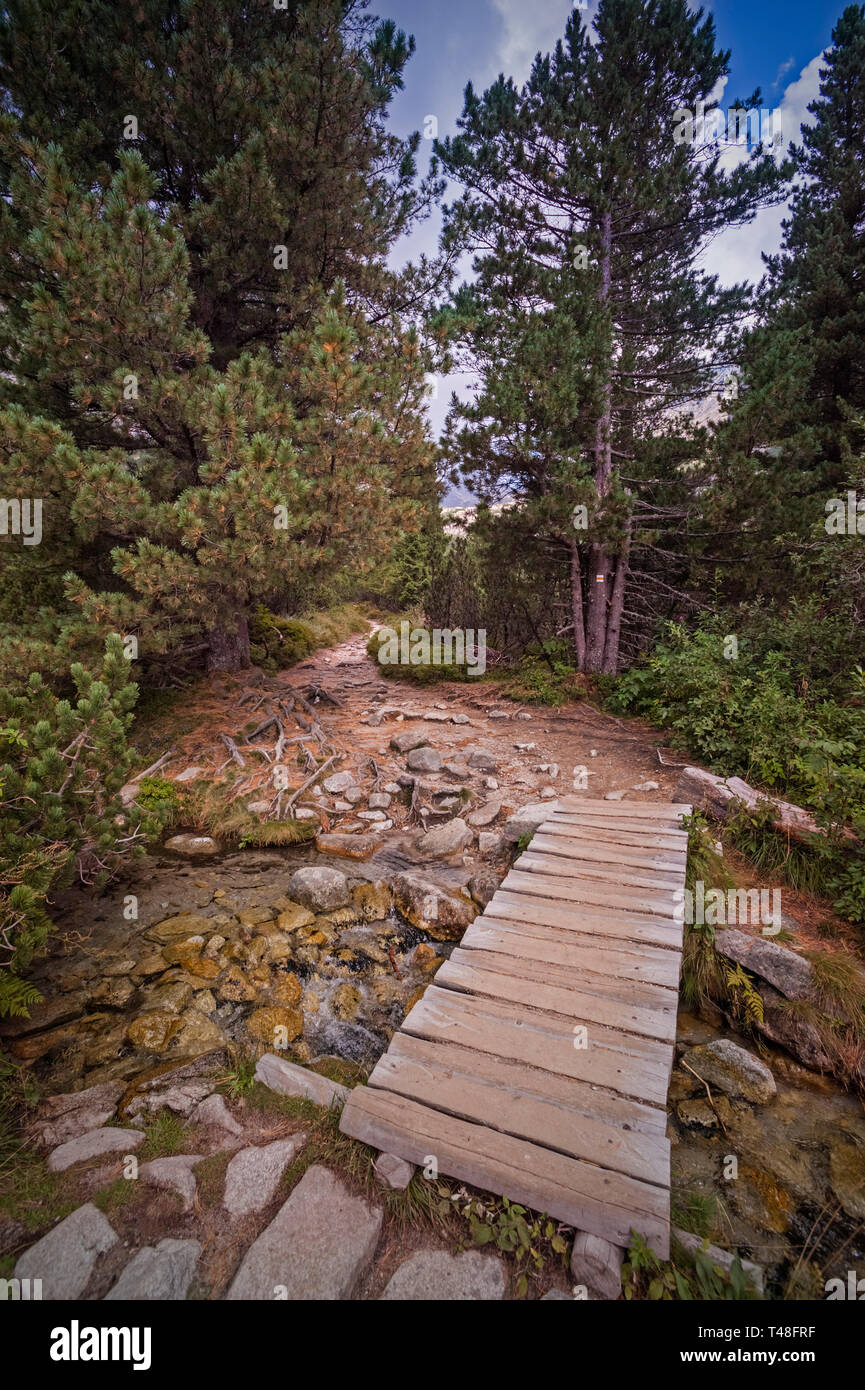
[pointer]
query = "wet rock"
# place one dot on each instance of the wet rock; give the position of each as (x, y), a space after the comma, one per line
(316, 1248)
(432, 909)
(320, 889)
(794, 1031)
(275, 1026)
(291, 1080)
(449, 838)
(293, 916)
(597, 1264)
(437, 1276)
(64, 1259)
(287, 989)
(92, 1145)
(527, 819)
(789, 973)
(64, 1117)
(729, 1068)
(701, 1115)
(253, 1174)
(197, 1033)
(347, 846)
(185, 924)
(339, 782)
(345, 1001)
(214, 1111)
(194, 846)
(47, 1014)
(153, 1031)
(424, 760)
(372, 900)
(173, 1175)
(255, 916)
(847, 1177)
(235, 987)
(394, 1172)
(162, 1272)
(482, 760)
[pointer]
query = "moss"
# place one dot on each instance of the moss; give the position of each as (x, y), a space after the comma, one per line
(165, 1136)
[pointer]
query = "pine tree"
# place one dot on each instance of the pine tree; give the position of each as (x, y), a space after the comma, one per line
(589, 218)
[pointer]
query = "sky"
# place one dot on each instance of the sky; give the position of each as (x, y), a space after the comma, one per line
(775, 45)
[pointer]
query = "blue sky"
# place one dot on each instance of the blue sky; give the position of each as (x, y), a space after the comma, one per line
(775, 46)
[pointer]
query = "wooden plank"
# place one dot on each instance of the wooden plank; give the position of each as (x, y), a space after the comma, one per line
(642, 830)
(602, 956)
(577, 1096)
(511, 1109)
(582, 891)
(569, 830)
(500, 980)
(592, 1199)
(635, 1067)
(644, 810)
(607, 853)
(547, 864)
(629, 926)
(570, 969)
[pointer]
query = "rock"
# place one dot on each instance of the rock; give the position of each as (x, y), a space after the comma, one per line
(195, 846)
(724, 1258)
(407, 740)
(847, 1177)
(320, 889)
(345, 1001)
(293, 916)
(288, 1079)
(287, 989)
(60, 1118)
(92, 1145)
(394, 1172)
(729, 1068)
(253, 1174)
(448, 838)
(379, 801)
(424, 760)
(616, 795)
(787, 971)
(275, 1026)
(353, 795)
(430, 908)
(197, 1034)
(459, 719)
(597, 1264)
(181, 1099)
(185, 924)
(528, 819)
(485, 814)
(438, 1276)
(64, 1259)
(373, 900)
(342, 805)
(498, 714)
(491, 784)
(547, 794)
(158, 1272)
(339, 782)
(371, 815)
(306, 812)
(557, 1294)
(48, 1013)
(645, 787)
(258, 808)
(235, 987)
(214, 1111)
(173, 1175)
(482, 759)
(482, 885)
(348, 845)
(316, 1248)
(798, 1034)
(699, 1114)
(491, 843)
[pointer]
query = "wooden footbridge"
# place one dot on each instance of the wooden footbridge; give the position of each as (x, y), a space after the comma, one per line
(536, 1066)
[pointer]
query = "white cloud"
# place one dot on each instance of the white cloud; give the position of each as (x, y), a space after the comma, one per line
(528, 28)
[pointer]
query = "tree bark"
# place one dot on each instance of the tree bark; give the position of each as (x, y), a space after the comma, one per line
(229, 645)
(617, 604)
(599, 578)
(577, 607)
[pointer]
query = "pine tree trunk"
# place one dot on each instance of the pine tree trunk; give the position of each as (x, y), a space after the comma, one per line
(617, 604)
(229, 646)
(599, 578)
(577, 607)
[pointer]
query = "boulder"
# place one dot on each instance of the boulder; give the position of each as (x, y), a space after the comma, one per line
(319, 889)
(275, 1026)
(339, 782)
(60, 1118)
(790, 973)
(424, 760)
(173, 1175)
(726, 1067)
(482, 760)
(95, 1143)
(160, 1272)
(64, 1259)
(527, 819)
(431, 908)
(253, 1174)
(214, 1111)
(408, 739)
(193, 846)
(485, 815)
(288, 1079)
(449, 838)
(438, 1276)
